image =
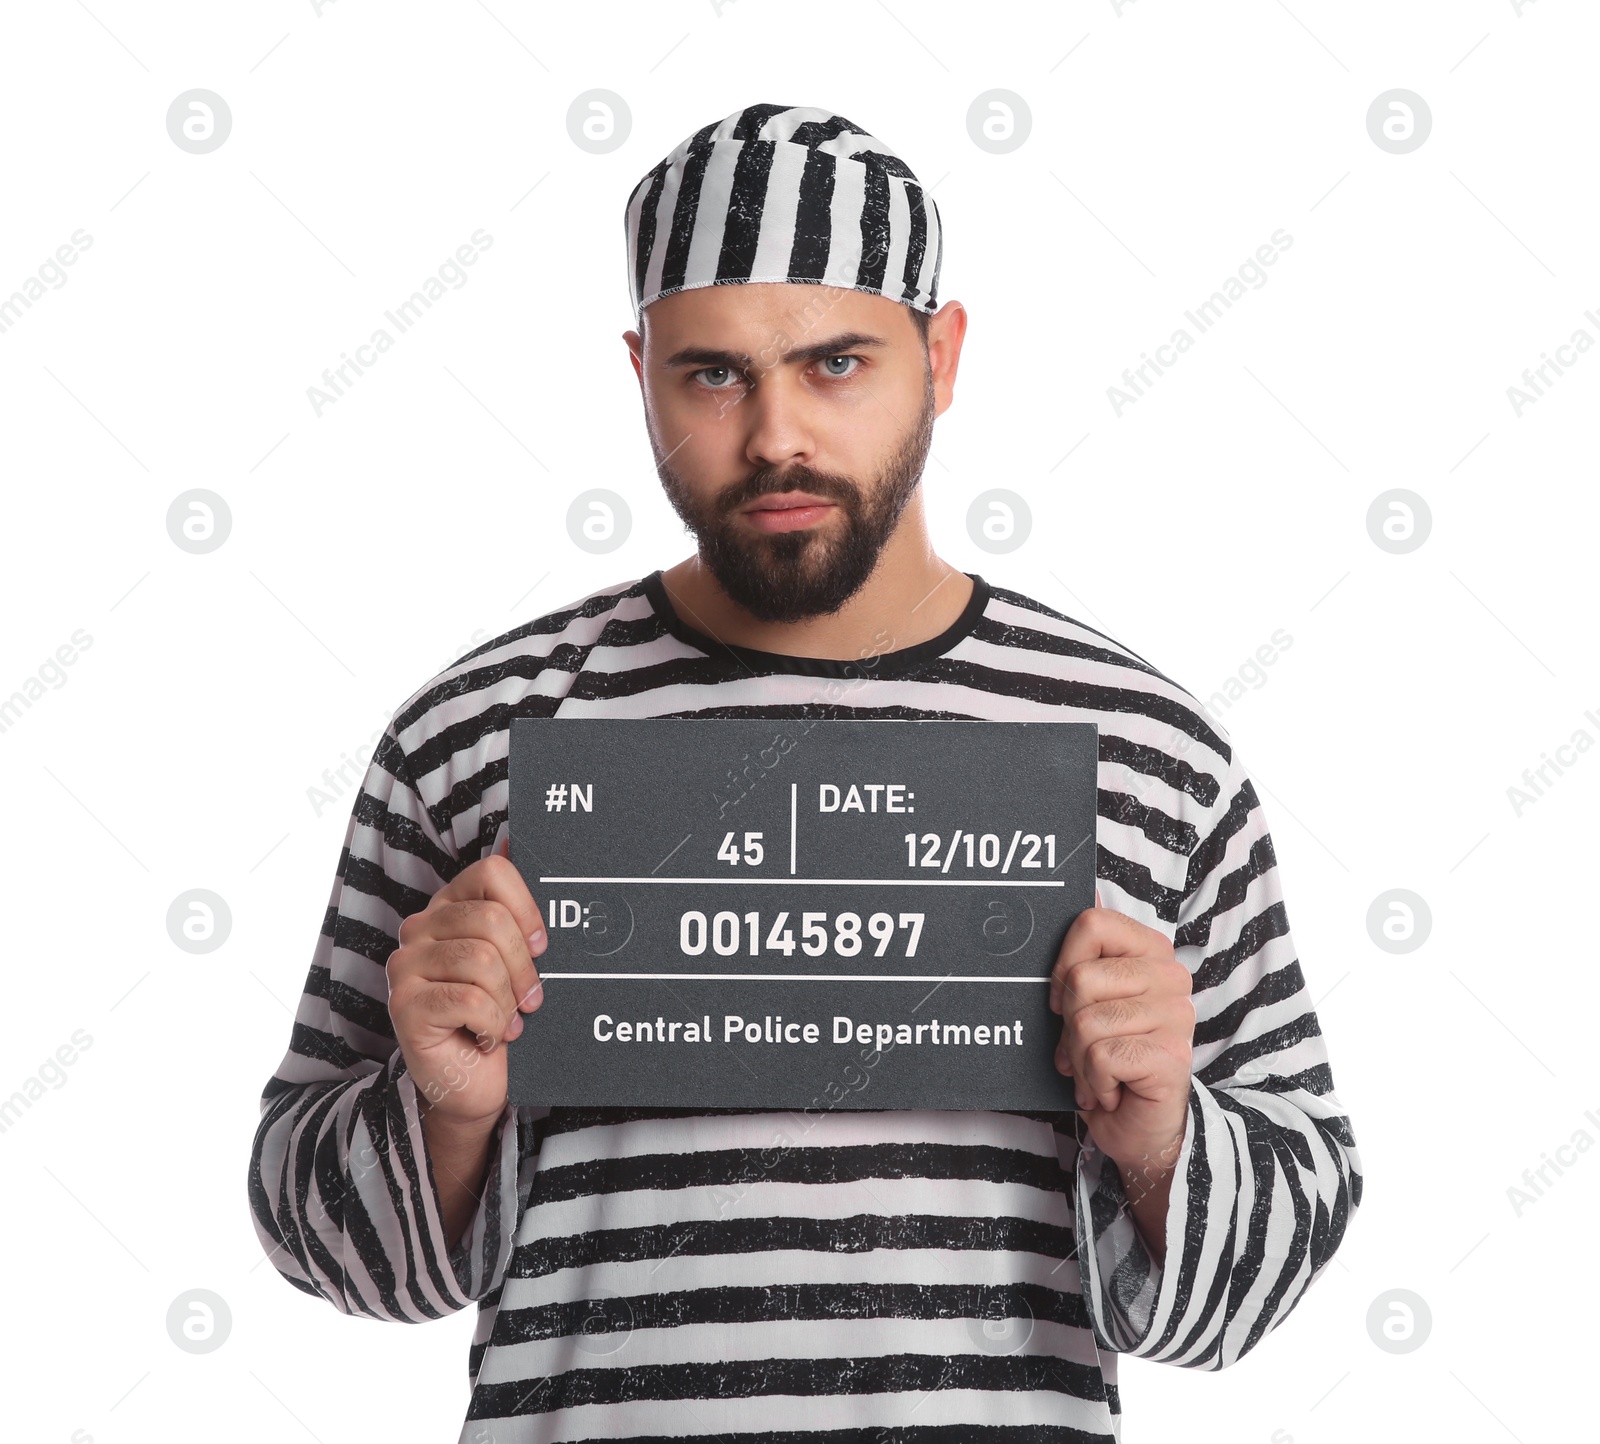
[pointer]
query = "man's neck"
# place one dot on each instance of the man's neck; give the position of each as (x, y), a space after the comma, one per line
(911, 596)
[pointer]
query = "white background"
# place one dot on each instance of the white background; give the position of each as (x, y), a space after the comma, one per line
(425, 511)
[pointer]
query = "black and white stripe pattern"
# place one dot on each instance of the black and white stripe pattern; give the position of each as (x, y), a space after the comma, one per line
(830, 1276)
(789, 194)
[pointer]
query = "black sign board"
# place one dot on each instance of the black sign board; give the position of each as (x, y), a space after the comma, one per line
(799, 912)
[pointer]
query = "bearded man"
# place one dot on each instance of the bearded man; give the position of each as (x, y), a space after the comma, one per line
(659, 1273)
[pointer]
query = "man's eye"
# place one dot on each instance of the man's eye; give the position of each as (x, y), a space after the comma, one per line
(829, 361)
(723, 372)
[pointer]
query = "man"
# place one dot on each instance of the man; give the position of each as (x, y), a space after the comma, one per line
(829, 1275)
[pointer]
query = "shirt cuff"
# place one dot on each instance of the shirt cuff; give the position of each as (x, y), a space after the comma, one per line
(478, 1260)
(1136, 1305)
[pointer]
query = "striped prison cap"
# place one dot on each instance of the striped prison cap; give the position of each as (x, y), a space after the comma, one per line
(783, 193)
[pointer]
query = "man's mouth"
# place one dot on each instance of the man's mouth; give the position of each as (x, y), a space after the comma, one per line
(786, 511)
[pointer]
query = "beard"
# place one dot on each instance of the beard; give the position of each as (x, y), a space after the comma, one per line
(790, 576)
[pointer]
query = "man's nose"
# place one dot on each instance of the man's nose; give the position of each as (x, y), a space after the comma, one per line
(780, 427)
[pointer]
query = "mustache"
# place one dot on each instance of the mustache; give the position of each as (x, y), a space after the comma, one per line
(768, 482)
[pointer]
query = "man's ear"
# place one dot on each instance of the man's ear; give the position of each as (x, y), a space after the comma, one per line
(946, 331)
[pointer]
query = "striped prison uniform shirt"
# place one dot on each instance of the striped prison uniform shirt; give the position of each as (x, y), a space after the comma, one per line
(834, 1276)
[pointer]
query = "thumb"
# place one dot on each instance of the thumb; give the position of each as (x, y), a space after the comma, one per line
(1097, 901)
(502, 844)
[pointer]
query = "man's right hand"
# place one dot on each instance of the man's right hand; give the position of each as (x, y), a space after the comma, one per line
(459, 983)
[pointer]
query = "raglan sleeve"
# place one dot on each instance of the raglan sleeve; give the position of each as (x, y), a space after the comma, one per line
(1268, 1178)
(341, 1189)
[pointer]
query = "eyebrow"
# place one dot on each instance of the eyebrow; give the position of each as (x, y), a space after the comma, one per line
(698, 356)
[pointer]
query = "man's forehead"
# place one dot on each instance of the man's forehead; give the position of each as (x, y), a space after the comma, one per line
(752, 314)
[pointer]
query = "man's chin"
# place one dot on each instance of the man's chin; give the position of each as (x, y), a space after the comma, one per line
(785, 579)
(779, 553)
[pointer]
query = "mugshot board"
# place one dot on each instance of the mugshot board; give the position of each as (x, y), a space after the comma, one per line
(799, 912)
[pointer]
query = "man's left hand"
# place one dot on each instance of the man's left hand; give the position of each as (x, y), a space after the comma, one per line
(1127, 1036)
